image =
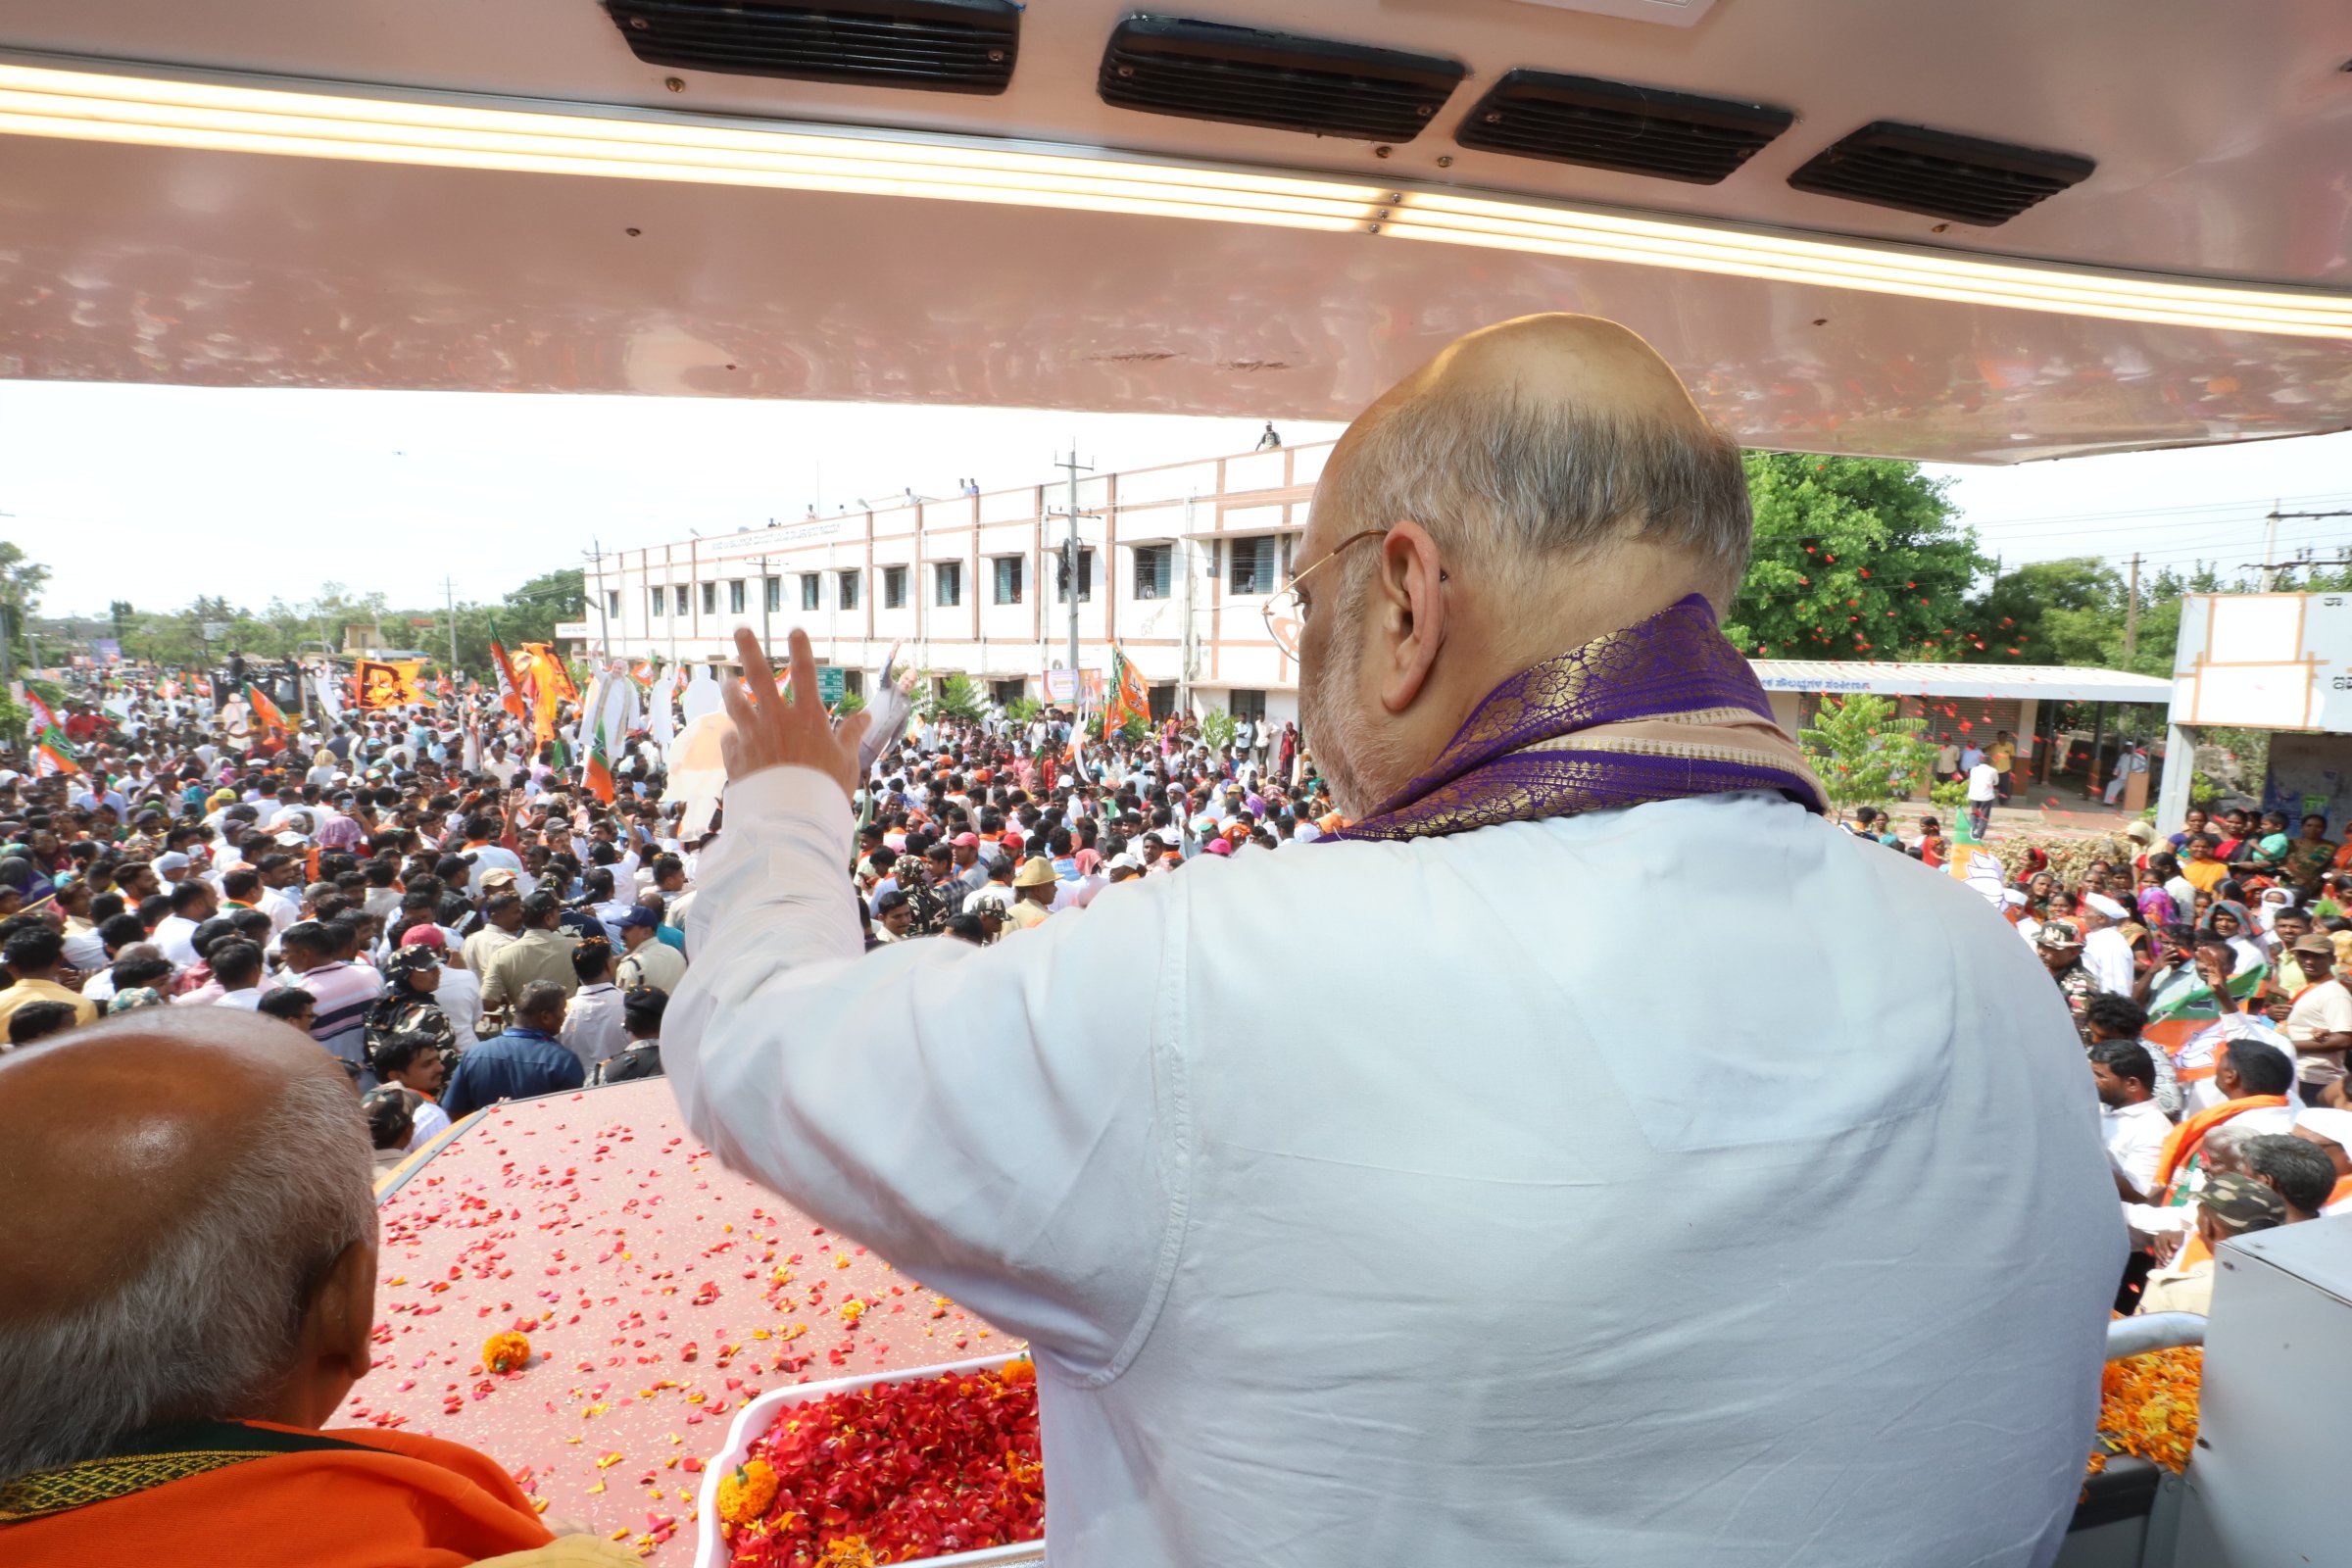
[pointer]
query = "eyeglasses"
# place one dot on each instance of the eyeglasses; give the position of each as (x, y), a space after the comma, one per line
(1286, 611)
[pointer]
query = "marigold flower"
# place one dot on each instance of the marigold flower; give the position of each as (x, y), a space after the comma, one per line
(506, 1352)
(2148, 1408)
(747, 1494)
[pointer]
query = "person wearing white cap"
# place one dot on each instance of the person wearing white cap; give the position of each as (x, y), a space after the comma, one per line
(2106, 953)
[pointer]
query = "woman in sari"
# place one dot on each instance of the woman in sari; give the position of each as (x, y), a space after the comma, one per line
(2310, 855)
(2156, 903)
(2040, 888)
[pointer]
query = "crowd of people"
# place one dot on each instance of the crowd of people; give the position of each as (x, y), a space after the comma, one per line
(2204, 971)
(457, 920)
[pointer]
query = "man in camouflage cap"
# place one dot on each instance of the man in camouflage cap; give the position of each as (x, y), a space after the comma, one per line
(2232, 1204)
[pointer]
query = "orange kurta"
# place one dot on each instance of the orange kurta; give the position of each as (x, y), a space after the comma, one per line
(394, 1500)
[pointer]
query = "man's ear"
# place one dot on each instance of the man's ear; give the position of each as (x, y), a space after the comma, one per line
(1408, 606)
(337, 1346)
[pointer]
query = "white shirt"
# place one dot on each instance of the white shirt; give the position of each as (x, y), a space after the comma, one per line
(429, 1121)
(248, 999)
(1211, 1245)
(2134, 1138)
(1983, 782)
(592, 1023)
(459, 994)
(2107, 954)
(176, 934)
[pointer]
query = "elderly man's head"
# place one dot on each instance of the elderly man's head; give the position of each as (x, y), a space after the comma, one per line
(190, 1233)
(1536, 484)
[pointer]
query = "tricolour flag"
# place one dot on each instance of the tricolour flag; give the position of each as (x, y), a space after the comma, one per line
(52, 754)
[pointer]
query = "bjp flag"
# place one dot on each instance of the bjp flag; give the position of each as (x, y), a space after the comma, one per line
(265, 712)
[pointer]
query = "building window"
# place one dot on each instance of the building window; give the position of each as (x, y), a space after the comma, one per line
(852, 683)
(709, 598)
(807, 590)
(658, 599)
(1163, 702)
(1154, 568)
(1250, 705)
(946, 583)
(894, 587)
(775, 593)
(612, 603)
(1005, 692)
(1249, 566)
(848, 590)
(1009, 579)
(678, 595)
(1085, 575)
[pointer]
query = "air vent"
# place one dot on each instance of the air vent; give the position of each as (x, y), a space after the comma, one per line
(1209, 70)
(1614, 125)
(1963, 178)
(939, 45)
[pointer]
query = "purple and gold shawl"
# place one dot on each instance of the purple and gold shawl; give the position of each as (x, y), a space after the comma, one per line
(1654, 712)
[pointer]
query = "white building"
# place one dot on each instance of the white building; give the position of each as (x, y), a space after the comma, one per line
(1176, 565)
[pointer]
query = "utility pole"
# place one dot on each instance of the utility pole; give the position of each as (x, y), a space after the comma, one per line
(1072, 557)
(766, 598)
(604, 616)
(2271, 543)
(449, 602)
(2131, 612)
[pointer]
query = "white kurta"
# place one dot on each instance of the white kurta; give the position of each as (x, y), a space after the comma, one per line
(1687, 1185)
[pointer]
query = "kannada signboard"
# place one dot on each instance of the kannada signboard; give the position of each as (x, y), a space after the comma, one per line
(832, 684)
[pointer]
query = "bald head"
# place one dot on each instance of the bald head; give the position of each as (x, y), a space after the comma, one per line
(182, 1184)
(1539, 484)
(1547, 441)
(1557, 361)
(161, 1103)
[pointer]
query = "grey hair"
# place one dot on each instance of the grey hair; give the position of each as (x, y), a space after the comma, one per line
(1495, 474)
(208, 1325)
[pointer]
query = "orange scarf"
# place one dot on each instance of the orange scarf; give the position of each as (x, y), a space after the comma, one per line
(375, 1499)
(2184, 1139)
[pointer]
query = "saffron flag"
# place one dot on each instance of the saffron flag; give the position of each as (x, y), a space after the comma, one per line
(509, 689)
(546, 665)
(1128, 697)
(265, 712)
(389, 685)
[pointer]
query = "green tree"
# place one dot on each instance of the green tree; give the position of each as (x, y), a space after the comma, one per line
(958, 696)
(2067, 611)
(1217, 729)
(22, 580)
(1865, 753)
(1854, 558)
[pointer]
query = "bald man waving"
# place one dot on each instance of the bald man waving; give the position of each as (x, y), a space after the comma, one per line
(1807, 1261)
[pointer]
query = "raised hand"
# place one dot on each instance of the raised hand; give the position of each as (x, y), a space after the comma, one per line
(772, 730)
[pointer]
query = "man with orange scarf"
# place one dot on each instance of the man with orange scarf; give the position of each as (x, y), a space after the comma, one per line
(2252, 1076)
(188, 1290)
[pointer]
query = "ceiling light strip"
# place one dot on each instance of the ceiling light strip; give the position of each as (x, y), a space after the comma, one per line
(109, 107)
(1866, 266)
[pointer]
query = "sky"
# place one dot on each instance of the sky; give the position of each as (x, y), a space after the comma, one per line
(282, 491)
